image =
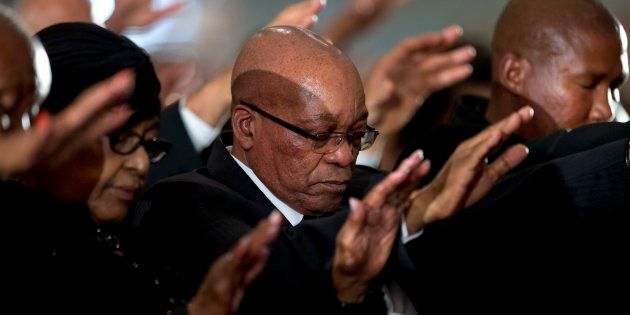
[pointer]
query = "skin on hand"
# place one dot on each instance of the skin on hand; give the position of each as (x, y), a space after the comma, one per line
(365, 241)
(466, 177)
(224, 286)
(302, 14)
(357, 17)
(212, 102)
(54, 139)
(138, 13)
(405, 77)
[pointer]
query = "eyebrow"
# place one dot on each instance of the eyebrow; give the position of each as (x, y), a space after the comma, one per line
(330, 118)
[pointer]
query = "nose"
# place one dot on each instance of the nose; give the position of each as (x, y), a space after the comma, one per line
(344, 156)
(138, 161)
(602, 107)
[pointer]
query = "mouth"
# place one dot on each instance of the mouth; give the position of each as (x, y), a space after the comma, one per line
(334, 186)
(126, 193)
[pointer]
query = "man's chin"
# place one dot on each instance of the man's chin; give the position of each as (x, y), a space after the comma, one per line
(325, 205)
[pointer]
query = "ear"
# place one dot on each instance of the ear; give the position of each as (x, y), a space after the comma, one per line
(513, 71)
(243, 127)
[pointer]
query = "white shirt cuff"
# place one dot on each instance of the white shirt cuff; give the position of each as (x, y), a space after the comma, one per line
(201, 134)
(406, 238)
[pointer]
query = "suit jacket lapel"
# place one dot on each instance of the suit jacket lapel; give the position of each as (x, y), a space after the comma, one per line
(222, 168)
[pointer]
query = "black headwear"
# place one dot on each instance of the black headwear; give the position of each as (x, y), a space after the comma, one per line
(83, 54)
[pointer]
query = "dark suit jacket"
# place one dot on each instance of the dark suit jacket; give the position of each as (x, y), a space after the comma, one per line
(197, 216)
(560, 226)
(56, 260)
(566, 142)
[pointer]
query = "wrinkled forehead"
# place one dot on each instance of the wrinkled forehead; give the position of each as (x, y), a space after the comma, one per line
(333, 91)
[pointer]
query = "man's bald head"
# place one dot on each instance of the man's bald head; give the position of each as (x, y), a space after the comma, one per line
(543, 28)
(282, 64)
(296, 76)
(17, 73)
(565, 58)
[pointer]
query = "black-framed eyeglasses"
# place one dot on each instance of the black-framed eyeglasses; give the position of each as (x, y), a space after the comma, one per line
(325, 142)
(128, 141)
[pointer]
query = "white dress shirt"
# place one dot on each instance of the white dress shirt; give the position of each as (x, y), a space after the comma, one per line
(201, 134)
(291, 215)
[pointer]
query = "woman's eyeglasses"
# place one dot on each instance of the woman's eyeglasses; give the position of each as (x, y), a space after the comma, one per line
(127, 142)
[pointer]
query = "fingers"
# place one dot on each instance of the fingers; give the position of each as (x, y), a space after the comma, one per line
(263, 235)
(266, 231)
(385, 189)
(505, 127)
(448, 77)
(496, 170)
(95, 100)
(89, 117)
(506, 162)
(346, 239)
(432, 42)
(445, 60)
(452, 33)
(20, 151)
(302, 14)
(105, 124)
(163, 13)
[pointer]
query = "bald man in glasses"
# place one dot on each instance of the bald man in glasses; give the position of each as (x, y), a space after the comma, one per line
(299, 121)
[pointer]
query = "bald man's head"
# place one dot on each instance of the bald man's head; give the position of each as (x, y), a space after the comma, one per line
(297, 77)
(540, 28)
(281, 63)
(17, 73)
(563, 57)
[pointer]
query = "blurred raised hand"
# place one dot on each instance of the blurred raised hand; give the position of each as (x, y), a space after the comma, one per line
(54, 139)
(138, 13)
(407, 75)
(358, 16)
(213, 100)
(303, 14)
(365, 240)
(467, 177)
(224, 286)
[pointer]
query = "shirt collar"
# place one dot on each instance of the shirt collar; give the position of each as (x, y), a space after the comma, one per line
(289, 213)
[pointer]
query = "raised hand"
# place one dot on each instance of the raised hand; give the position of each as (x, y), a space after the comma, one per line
(466, 177)
(213, 101)
(138, 13)
(222, 290)
(54, 139)
(371, 10)
(303, 14)
(405, 77)
(365, 241)
(357, 17)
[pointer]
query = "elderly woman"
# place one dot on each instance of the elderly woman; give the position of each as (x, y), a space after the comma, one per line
(74, 243)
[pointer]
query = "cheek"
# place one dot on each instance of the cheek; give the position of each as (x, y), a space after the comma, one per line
(298, 158)
(563, 102)
(572, 106)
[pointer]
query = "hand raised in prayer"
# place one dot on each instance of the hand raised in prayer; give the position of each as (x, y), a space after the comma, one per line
(222, 290)
(54, 139)
(466, 177)
(138, 13)
(303, 14)
(365, 241)
(406, 76)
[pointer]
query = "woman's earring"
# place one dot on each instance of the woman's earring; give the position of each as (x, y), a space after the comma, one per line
(5, 122)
